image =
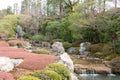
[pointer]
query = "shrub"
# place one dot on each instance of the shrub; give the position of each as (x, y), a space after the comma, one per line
(41, 75)
(47, 75)
(110, 57)
(40, 51)
(27, 36)
(57, 40)
(39, 38)
(53, 75)
(99, 54)
(8, 25)
(117, 47)
(95, 48)
(67, 45)
(61, 70)
(28, 78)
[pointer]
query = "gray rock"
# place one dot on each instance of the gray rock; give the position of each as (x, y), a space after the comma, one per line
(19, 32)
(58, 47)
(83, 47)
(66, 61)
(72, 50)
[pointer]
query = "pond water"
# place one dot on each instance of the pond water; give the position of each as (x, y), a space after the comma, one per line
(99, 77)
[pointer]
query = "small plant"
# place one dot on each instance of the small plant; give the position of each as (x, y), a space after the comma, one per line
(41, 51)
(28, 78)
(67, 45)
(39, 38)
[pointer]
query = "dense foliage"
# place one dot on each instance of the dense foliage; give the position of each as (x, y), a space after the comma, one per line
(28, 78)
(8, 25)
(53, 71)
(61, 70)
(67, 21)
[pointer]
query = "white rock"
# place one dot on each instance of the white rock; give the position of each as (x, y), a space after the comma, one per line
(66, 60)
(7, 64)
(16, 62)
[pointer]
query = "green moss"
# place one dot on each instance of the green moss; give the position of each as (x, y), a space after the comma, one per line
(28, 78)
(110, 57)
(39, 38)
(41, 51)
(57, 40)
(61, 70)
(67, 45)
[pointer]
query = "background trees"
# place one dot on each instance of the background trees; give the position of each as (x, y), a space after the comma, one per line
(74, 20)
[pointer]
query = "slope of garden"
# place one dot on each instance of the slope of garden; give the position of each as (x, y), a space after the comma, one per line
(30, 61)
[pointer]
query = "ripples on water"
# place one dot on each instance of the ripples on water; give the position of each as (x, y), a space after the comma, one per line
(99, 77)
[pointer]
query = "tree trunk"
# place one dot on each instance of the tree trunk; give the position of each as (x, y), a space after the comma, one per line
(61, 9)
(115, 3)
(104, 5)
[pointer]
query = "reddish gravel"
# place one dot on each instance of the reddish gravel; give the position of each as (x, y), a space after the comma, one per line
(37, 62)
(6, 76)
(31, 61)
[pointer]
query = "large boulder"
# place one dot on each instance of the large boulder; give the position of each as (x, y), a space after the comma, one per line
(115, 65)
(7, 64)
(66, 61)
(58, 47)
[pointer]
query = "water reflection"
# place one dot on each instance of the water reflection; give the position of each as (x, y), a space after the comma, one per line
(99, 77)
